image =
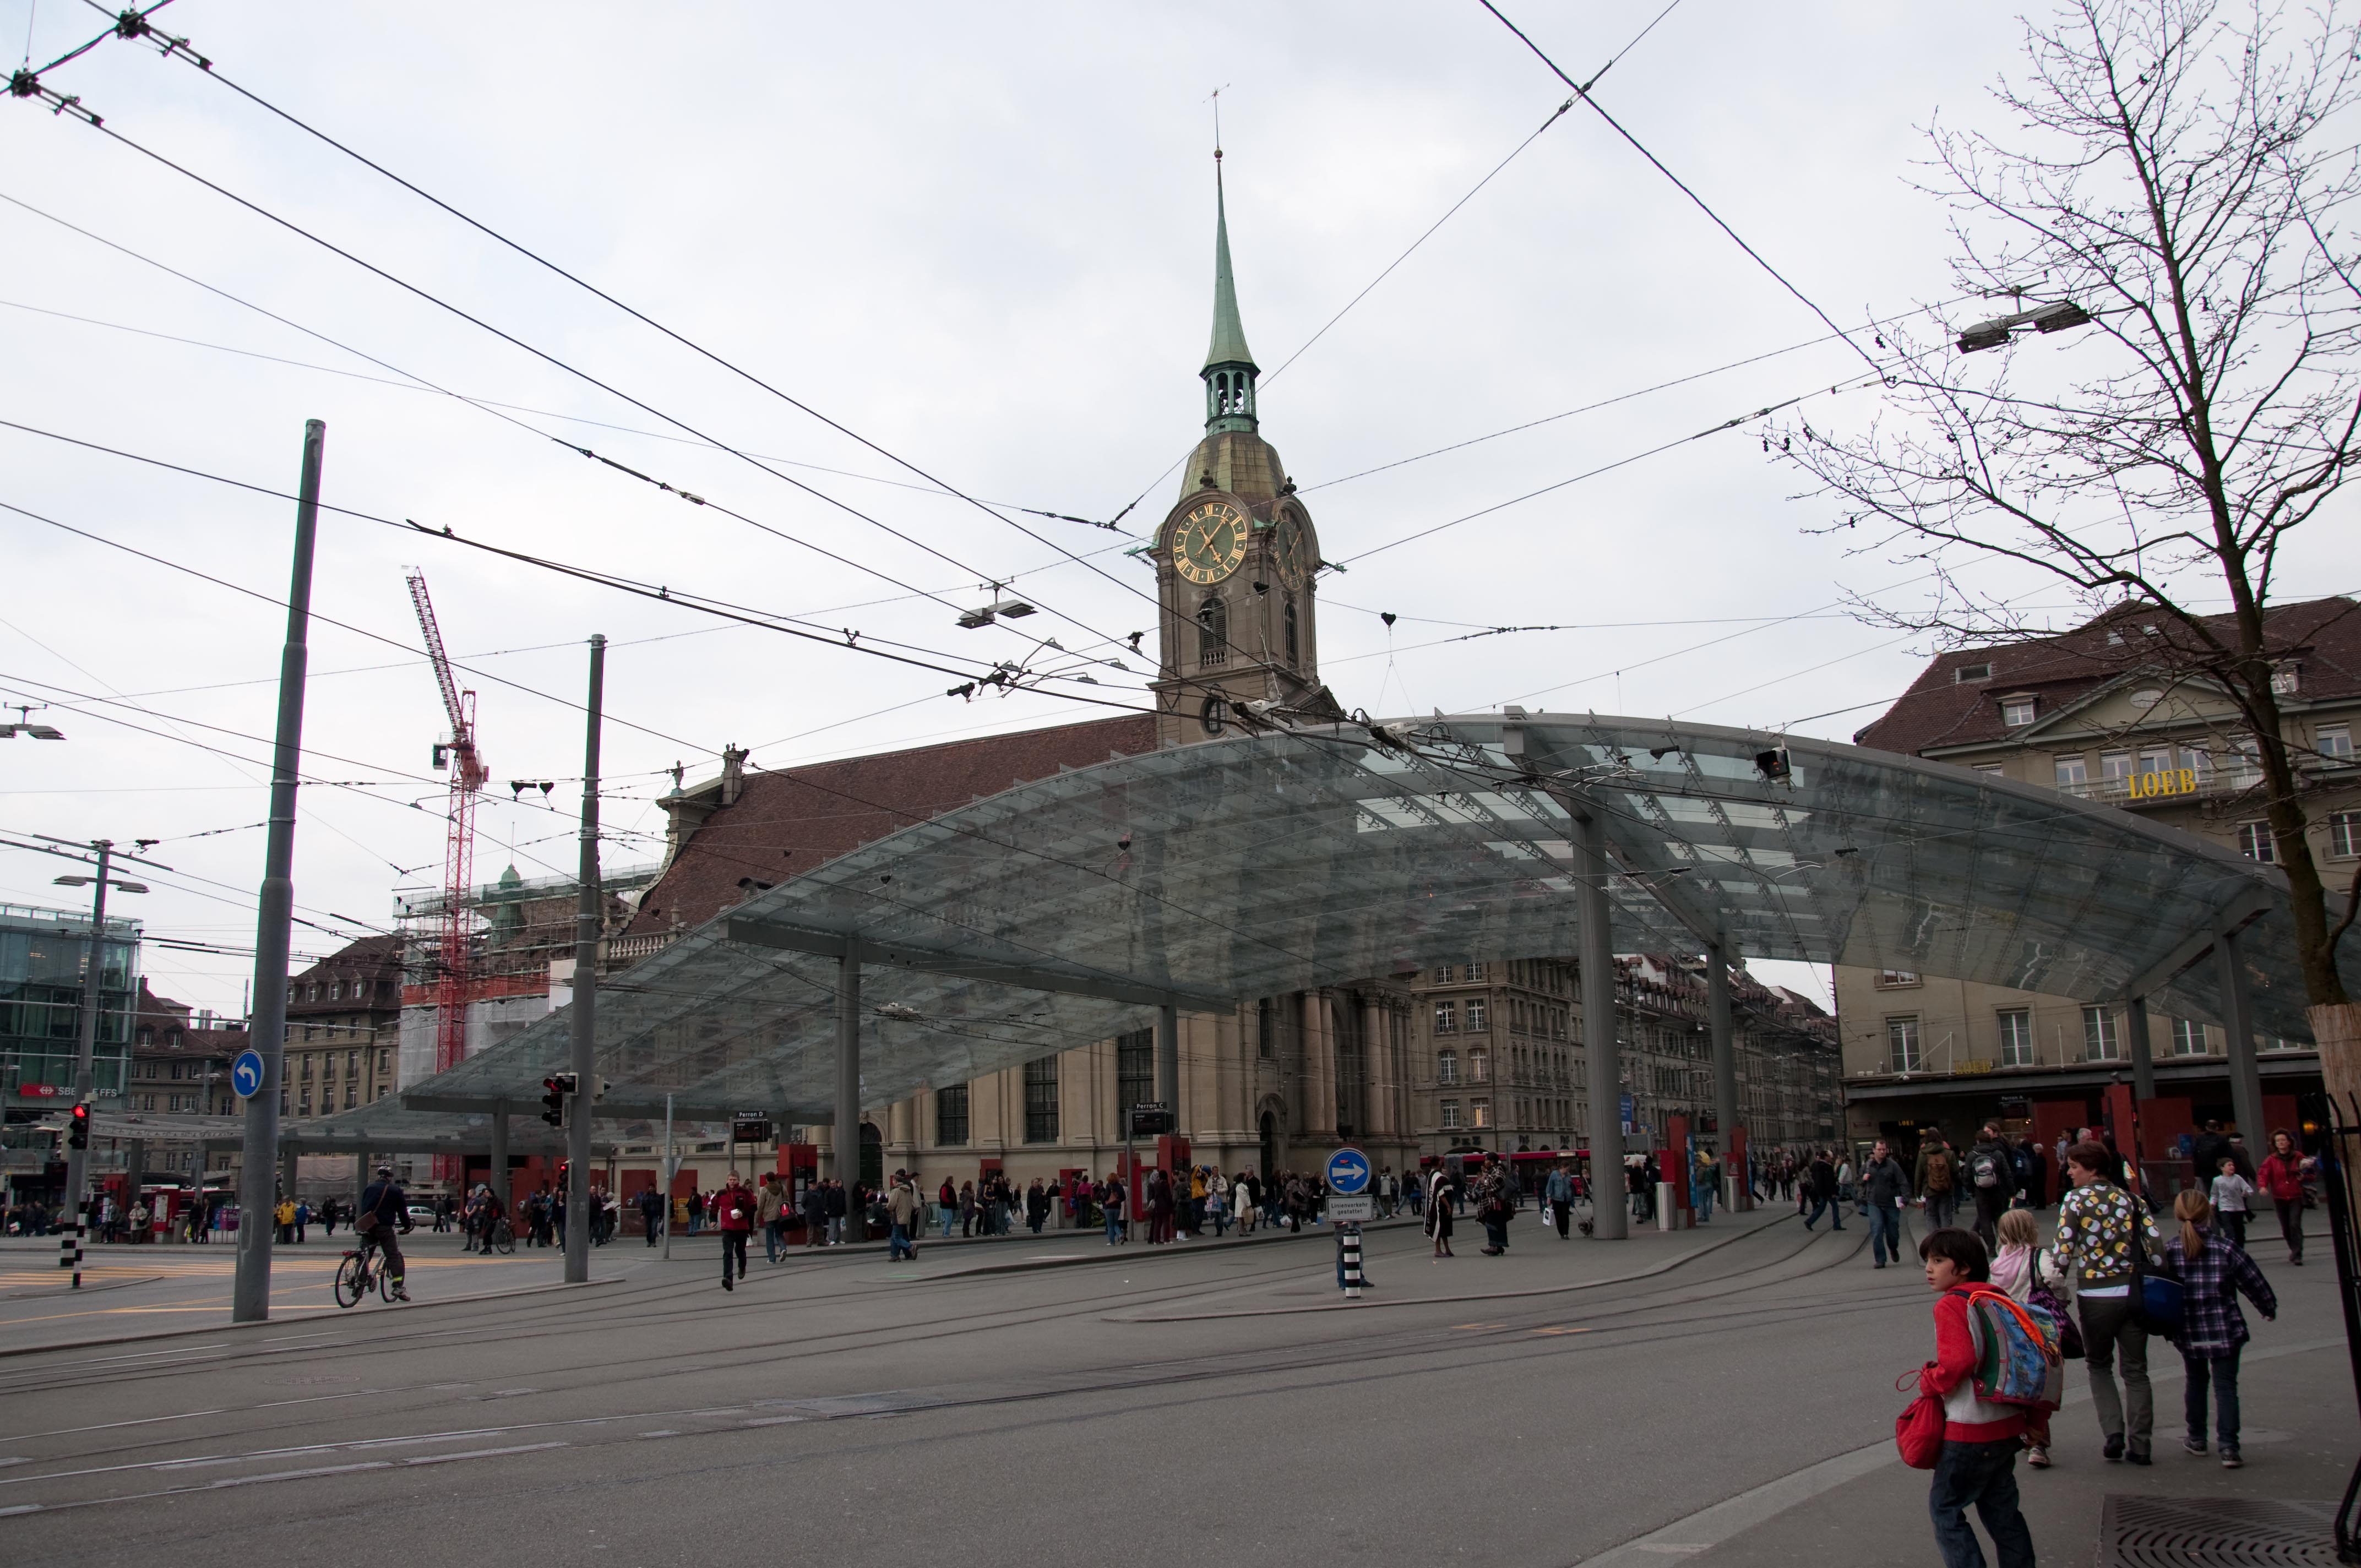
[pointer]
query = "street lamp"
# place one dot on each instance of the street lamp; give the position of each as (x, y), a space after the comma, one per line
(24, 726)
(1991, 334)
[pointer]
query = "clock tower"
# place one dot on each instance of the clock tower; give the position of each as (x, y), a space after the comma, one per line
(1236, 559)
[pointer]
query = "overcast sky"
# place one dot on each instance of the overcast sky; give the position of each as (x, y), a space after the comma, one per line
(981, 239)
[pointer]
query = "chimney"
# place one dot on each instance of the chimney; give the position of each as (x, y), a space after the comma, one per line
(733, 775)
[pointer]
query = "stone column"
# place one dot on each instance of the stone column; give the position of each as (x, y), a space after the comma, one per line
(1319, 1068)
(1610, 1212)
(2238, 1026)
(2137, 1047)
(500, 1153)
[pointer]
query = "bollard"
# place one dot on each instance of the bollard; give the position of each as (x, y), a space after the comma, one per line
(1349, 1236)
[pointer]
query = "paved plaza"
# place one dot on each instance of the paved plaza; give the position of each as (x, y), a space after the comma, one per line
(1723, 1396)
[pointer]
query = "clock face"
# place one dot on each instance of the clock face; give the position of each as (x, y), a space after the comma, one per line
(1209, 542)
(1293, 552)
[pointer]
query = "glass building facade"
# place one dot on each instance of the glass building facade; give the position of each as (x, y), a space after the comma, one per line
(42, 954)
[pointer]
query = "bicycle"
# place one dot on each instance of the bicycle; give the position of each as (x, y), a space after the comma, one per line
(359, 1274)
(503, 1235)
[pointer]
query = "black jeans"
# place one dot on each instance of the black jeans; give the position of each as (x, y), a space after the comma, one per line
(1983, 1474)
(1560, 1214)
(1496, 1231)
(2290, 1225)
(733, 1245)
(2222, 1372)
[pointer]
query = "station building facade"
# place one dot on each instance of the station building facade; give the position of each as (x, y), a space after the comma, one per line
(2099, 714)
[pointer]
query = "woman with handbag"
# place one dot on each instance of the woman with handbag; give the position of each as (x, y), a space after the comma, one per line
(2107, 1240)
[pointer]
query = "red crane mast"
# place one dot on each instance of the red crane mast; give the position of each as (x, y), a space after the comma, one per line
(452, 990)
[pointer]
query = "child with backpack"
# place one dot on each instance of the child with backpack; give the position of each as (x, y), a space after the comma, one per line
(1981, 1434)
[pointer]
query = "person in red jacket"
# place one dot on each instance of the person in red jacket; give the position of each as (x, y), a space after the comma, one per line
(2282, 1176)
(1979, 1438)
(733, 1210)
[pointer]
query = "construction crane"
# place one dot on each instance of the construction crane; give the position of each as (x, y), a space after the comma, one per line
(452, 992)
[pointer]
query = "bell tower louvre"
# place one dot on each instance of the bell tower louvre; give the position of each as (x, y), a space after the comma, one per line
(1235, 558)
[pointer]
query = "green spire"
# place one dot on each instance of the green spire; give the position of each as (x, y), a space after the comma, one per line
(1229, 372)
(1229, 345)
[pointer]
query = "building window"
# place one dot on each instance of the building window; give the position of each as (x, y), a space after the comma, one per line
(1212, 631)
(352, 1094)
(1446, 1067)
(1446, 1017)
(2344, 834)
(1967, 673)
(2335, 744)
(1479, 1066)
(2016, 1037)
(2188, 1037)
(1041, 1100)
(385, 1058)
(1443, 974)
(1902, 1045)
(2073, 772)
(303, 1105)
(1476, 971)
(1451, 1114)
(1288, 614)
(1135, 1072)
(1896, 978)
(2255, 841)
(2246, 759)
(1474, 1015)
(951, 1114)
(2017, 711)
(2099, 1042)
(2285, 680)
(335, 991)
(1479, 1112)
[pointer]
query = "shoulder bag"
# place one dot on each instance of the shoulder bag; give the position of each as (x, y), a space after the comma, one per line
(1918, 1429)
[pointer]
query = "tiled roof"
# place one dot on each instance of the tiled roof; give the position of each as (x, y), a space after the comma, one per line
(787, 823)
(1941, 711)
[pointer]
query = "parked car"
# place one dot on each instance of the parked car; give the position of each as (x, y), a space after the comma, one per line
(420, 1214)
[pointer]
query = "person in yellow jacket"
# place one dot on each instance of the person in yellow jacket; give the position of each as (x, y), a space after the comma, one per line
(285, 1215)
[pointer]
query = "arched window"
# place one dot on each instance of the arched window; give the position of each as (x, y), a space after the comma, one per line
(1289, 615)
(1212, 631)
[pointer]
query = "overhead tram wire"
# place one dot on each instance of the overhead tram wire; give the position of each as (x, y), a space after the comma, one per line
(1582, 91)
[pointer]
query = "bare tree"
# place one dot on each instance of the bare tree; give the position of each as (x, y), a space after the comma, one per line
(2178, 174)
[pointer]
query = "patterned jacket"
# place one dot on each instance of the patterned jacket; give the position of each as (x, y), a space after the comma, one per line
(2095, 1226)
(2210, 1322)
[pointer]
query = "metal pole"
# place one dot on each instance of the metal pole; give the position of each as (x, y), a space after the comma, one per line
(671, 1169)
(587, 912)
(86, 1051)
(847, 1136)
(1167, 1060)
(267, 1029)
(2135, 1042)
(1725, 1116)
(1610, 1212)
(500, 1153)
(2238, 1025)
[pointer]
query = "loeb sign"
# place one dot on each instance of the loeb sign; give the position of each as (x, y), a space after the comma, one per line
(2165, 782)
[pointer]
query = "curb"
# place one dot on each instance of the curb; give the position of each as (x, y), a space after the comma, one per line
(284, 1322)
(1648, 1272)
(1119, 1255)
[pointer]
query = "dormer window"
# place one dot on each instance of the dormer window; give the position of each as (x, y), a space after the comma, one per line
(2285, 681)
(2018, 711)
(1967, 673)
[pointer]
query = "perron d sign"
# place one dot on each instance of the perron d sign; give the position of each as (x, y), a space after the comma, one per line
(2166, 782)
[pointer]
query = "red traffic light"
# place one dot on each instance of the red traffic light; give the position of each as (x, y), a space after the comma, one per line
(78, 1128)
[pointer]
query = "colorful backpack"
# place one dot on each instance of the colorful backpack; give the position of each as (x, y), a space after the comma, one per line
(2017, 1360)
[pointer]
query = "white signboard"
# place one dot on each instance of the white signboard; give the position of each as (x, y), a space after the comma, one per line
(1357, 1209)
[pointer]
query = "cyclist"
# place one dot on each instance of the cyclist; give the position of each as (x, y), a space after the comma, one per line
(385, 1209)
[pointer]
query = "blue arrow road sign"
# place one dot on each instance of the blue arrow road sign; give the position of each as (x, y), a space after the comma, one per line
(1348, 1171)
(246, 1074)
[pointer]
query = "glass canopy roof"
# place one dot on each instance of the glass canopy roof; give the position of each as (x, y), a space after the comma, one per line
(1262, 864)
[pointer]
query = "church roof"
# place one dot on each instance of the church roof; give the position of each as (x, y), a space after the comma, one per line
(1229, 344)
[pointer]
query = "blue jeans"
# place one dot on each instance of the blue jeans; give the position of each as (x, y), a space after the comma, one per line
(771, 1241)
(1832, 1207)
(900, 1245)
(1983, 1474)
(1885, 1234)
(1701, 1200)
(2222, 1372)
(1115, 1226)
(950, 1216)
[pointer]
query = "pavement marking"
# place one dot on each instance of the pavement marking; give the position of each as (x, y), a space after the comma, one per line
(673, 1433)
(1561, 1329)
(484, 1452)
(293, 1474)
(761, 1421)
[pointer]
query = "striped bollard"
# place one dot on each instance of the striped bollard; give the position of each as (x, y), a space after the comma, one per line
(1349, 1235)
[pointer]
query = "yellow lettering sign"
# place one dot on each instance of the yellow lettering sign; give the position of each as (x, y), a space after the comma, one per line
(2163, 782)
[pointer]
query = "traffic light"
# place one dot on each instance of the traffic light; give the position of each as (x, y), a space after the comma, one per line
(78, 1128)
(559, 1088)
(564, 1168)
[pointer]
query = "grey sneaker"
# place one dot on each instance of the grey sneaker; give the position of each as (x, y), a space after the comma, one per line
(2193, 1446)
(2231, 1460)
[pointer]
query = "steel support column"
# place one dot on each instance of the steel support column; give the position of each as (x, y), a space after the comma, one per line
(1726, 1118)
(1168, 1061)
(2135, 1046)
(1610, 1213)
(2238, 1025)
(500, 1155)
(846, 1138)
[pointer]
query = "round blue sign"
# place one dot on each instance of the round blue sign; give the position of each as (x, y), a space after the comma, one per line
(1348, 1171)
(246, 1074)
